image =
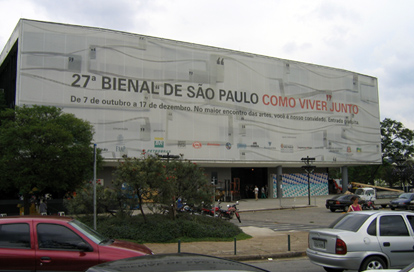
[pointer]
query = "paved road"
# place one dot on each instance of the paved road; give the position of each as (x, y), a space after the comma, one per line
(300, 219)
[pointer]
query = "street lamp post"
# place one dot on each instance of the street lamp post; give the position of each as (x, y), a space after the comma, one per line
(94, 187)
(309, 169)
(400, 165)
(168, 156)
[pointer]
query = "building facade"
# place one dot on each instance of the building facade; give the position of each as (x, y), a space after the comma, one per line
(247, 119)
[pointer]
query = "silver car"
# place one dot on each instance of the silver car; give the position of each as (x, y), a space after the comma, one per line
(364, 240)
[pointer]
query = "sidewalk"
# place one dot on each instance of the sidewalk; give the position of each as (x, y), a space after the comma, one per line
(265, 243)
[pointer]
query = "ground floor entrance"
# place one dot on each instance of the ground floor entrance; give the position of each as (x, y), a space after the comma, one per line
(249, 178)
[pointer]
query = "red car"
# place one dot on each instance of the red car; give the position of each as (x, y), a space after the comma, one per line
(46, 243)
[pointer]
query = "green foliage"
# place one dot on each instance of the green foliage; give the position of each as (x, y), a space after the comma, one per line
(139, 178)
(396, 142)
(45, 148)
(154, 180)
(82, 202)
(184, 180)
(159, 229)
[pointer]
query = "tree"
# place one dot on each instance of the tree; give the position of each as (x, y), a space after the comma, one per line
(164, 182)
(138, 179)
(185, 181)
(396, 142)
(82, 202)
(42, 147)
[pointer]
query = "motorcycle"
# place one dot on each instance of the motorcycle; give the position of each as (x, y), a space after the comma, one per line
(230, 212)
(369, 205)
(209, 210)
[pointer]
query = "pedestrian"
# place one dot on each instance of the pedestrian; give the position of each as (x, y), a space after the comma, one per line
(43, 207)
(256, 192)
(354, 207)
(263, 192)
(246, 191)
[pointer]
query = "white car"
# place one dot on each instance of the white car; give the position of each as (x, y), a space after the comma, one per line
(363, 241)
(409, 268)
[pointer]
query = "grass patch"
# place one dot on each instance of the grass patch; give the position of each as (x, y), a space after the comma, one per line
(162, 229)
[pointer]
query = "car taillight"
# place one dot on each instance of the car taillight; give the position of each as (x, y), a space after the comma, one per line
(340, 247)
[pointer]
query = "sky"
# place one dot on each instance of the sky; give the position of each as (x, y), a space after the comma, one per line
(371, 37)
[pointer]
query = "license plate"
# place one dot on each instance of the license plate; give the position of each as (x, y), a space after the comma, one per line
(319, 243)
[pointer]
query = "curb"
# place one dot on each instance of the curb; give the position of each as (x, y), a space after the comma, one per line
(266, 256)
(279, 208)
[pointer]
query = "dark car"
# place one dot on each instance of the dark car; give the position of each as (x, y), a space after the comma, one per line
(341, 202)
(402, 202)
(52, 243)
(173, 262)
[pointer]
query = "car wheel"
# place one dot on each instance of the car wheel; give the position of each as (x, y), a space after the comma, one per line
(346, 208)
(328, 269)
(392, 208)
(372, 263)
(384, 206)
(332, 209)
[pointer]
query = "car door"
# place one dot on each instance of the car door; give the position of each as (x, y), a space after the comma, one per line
(16, 248)
(60, 248)
(396, 240)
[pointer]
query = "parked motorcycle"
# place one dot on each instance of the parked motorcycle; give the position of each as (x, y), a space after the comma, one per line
(230, 212)
(209, 210)
(369, 205)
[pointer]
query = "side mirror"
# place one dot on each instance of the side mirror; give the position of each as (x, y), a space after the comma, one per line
(82, 246)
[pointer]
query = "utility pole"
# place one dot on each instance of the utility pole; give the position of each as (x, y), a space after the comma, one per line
(168, 156)
(94, 187)
(309, 169)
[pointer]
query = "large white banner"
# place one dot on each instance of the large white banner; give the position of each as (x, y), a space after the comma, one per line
(210, 104)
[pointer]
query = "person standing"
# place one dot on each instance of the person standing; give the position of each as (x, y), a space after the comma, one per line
(256, 192)
(354, 207)
(263, 192)
(43, 207)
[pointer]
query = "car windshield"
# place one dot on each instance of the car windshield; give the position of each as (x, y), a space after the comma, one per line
(90, 233)
(359, 191)
(406, 196)
(350, 221)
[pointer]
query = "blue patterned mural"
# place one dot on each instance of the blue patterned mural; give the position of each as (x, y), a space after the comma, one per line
(297, 184)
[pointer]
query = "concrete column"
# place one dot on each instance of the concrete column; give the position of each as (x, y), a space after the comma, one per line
(344, 179)
(279, 182)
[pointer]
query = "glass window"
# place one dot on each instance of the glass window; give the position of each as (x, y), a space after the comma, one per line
(393, 225)
(88, 232)
(411, 220)
(53, 236)
(372, 228)
(15, 236)
(350, 221)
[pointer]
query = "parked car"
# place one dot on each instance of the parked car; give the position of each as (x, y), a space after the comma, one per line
(402, 202)
(51, 243)
(174, 262)
(411, 205)
(341, 202)
(364, 240)
(409, 268)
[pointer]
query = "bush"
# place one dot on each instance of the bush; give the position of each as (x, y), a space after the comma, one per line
(161, 229)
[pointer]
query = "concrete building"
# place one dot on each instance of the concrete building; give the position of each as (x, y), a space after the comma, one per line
(247, 119)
